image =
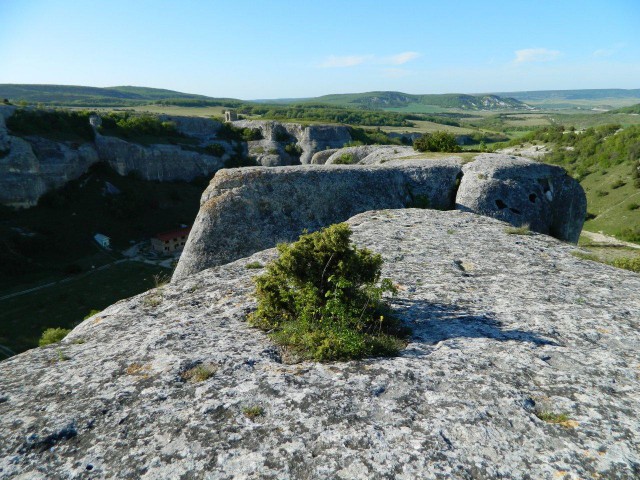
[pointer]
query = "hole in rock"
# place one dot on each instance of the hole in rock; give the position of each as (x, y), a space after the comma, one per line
(89, 467)
(515, 210)
(532, 198)
(500, 204)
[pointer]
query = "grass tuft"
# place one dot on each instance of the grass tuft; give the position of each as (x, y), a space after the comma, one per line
(253, 411)
(523, 230)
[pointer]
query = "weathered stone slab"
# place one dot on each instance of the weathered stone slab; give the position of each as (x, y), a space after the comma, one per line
(247, 210)
(505, 328)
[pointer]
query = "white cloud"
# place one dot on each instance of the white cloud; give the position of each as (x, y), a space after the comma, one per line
(402, 58)
(334, 61)
(535, 55)
(608, 52)
(346, 61)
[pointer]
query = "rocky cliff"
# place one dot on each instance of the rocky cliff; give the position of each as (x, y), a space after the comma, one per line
(523, 363)
(250, 209)
(32, 166)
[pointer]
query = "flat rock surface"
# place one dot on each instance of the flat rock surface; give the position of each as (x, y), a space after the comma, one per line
(505, 327)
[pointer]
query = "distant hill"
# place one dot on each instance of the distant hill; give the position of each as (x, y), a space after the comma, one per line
(402, 101)
(632, 109)
(589, 98)
(72, 95)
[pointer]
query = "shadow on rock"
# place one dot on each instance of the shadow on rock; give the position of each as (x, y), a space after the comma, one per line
(432, 323)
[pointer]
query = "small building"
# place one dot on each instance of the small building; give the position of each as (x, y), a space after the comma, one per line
(168, 242)
(102, 240)
(230, 116)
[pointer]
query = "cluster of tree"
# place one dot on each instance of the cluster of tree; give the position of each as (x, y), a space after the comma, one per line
(63, 124)
(438, 141)
(130, 126)
(194, 102)
(361, 136)
(230, 132)
(327, 114)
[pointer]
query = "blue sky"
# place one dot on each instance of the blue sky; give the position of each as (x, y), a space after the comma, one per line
(277, 49)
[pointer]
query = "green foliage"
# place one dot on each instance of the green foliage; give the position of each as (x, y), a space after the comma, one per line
(344, 159)
(59, 124)
(523, 230)
(215, 149)
(632, 234)
(52, 335)
(361, 136)
(322, 299)
(134, 127)
(91, 313)
(232, 133)
(253, 411)
(627, 263)
(199, 373)
(438, 141)
(327, 114)
(254, 265)
(293, 149)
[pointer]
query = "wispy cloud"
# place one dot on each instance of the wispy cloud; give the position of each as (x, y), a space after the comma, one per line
(608, 52)
(335, 61)
(345, 61)
(401, 58)
(535, 55)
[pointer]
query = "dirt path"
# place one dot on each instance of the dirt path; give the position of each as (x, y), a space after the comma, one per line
(607, 240)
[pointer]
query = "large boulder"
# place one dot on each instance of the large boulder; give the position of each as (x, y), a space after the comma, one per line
(522, 363)
(247, 210)
(524, 192)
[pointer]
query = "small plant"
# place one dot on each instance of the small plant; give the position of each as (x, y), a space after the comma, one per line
(160, 280)
(91, 313)
(138, 370)
(254, 265)
(199, 373)
(152, 300)
(322, 299)
(215, 149)
(52, 335)
(451, 232)
(633, 206)
(523, 230)
(585, 256)
(627, 263)
(602, 193)
(344, 159)
(61, 355)
(252, 412)
(556, 418)
(618, 183)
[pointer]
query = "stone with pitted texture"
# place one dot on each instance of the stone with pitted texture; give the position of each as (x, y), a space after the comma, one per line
(523, 363)
(524, 192)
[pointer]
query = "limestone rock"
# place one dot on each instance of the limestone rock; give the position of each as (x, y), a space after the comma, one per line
(506, 329)
(320, 158)
(156, 162)
(34, 166)
(524, 192)
(247, 210)
(270, 153)
(351, 155)
(371, 154)
(197, 127)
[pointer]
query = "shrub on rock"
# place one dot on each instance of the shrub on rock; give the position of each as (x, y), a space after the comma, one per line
(322, 299)
(52, 335)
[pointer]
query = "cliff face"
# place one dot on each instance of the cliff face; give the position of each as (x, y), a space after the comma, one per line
(250, 209)
(509, 332)
(30, 167)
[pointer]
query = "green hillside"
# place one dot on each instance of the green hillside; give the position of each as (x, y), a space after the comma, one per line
(632, 109)
(418, 103)
(71, 95)
(606, 98)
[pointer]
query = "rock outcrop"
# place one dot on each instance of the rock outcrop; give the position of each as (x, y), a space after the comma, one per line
(311, 139)
(163, 163)
(370, 154)
(523, 192)
(247, 210)
(523, 363)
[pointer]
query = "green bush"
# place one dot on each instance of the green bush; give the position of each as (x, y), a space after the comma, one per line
(52, 335)
(627, 263)
(344, 159)
(293, 149)
(215, 149)
(62, 124)
(436, 142)
(322, 299)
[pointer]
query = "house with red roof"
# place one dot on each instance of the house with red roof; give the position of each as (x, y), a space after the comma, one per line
(169, 242)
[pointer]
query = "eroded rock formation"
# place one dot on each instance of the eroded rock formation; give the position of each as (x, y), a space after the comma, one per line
(244, 211)
(250, 209)
(523, 363)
